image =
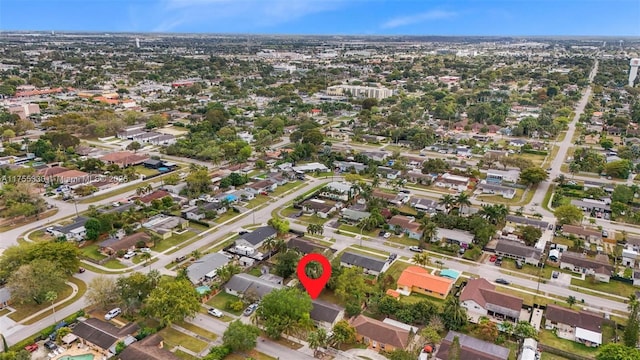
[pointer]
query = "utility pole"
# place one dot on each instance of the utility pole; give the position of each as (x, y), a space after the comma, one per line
(75, 203)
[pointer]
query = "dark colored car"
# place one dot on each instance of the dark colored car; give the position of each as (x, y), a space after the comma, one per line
(502, 281)
(81, 270)
(50, 345)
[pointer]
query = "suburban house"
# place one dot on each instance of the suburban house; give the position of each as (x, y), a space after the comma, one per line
(124, 158)
(246, 284)
(480, 298)
(354, 215)
(380, 336)
(418, 279)
(326, 315)
(518, 251)
(348, 166)
(495, 176)
(388, 173)
(321, 208)
(199, 212)
(112, 245)
(378, 156)
(630, 255)
(307, 246)
(339, 191)
(149, 348)
(579, 326)
(406, 225)
(593, 236)
(423, 204)
(257, 237)
(453, 182)
(418, 177)
(453, 236)
(103, 336)
(370, 265)
(599, 266)
(261, 186)
(310, 167)
(494, 189)
(515, 221)
(471, 348)
(517, 143)
(164, 226)
(206, 267)
(5, 297)
(592, 205)
(155, 195)
(74, 231)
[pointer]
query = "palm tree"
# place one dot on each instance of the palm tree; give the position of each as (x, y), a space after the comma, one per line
(145, 257)
(318, 339)
(462, 200)
(52, 296)
(149, 188)
(571, 300)
(270, 244)
(196, 254)
(429, 230)
(376, 181)
(447, 201)
(421, 259)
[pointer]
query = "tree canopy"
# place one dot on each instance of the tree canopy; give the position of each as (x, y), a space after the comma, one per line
(173, 300)
(285, 310)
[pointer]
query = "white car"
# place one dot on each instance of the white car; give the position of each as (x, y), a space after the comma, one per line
(215, 312)
(112, 314)
(145, 250)
(129, 255)
(387, 235)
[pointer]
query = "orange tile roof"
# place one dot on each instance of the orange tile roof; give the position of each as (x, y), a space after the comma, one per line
(393, 293)
(420, 277)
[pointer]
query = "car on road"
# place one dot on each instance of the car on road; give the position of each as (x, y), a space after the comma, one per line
(386, 235)
(550, 226)
(493, 258)
(181, 258)
(250, 309)
(392, 257)
(605, 234)
(415, 249)
(81, 270)
(31, 348)
(215, 312)
(549, 169)
(502, 281)
(112, 314)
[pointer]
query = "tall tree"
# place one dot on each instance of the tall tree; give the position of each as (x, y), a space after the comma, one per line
(632, 330)
(568, 214)
(173, 300)
(533, 175)
(284, 310)
(342, 333)
(448, 201)
(102, 292)
(454, 349)
(30, 283)
(240, 336)
(454, 315)
(462, 200)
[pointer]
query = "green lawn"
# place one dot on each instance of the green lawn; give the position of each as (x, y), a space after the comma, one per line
(259, 200)
(252, 354)
(92, 252)
(313, 219)
(220, 302)
(25, 310)
(363, 250)
(286, 187)
(198, 330)
(145, 171)
(286, 212)
(82, 288)
(510, 264)
(174, 240)
(612, 287)
(403, 239)
(226, 216)
(173, 338)
(114, 264)
(184, 356)
(546, 337)
(39, 235)
(396, 269)
(356, 230)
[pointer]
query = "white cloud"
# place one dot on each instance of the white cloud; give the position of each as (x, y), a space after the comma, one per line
(418, 18)
(253, 13)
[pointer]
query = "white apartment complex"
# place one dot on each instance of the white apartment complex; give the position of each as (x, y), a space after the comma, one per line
(360, 91)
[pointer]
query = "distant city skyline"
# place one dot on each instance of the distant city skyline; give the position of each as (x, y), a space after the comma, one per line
(329, 17)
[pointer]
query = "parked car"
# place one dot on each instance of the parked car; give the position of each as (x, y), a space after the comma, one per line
(393, 257)
(381, 233)
(181, 259)
(415, 249)
(81, 270)
(493, 258)
(50, 345)
(605, 234)
(215, 312)
(555, 274)
(387, 235)
(518, 264)
(129, 254)
(31, 348)
(145, 250)
(112, 314)
(250, 309)
(502, 281)
(550, 226)
(242, 232)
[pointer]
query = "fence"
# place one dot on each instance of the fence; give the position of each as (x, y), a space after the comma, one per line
(564, 354)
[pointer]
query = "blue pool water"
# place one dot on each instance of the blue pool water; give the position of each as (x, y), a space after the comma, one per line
(78, 357)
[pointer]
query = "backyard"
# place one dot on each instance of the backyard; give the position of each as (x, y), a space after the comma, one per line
(547, 337)
(173, 338)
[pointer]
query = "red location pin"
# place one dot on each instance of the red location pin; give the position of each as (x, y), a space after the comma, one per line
(314, 286)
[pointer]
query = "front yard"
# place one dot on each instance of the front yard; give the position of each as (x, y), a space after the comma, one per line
(173, 338)
(612, 287)
(174, 240)
(220, 302)
(547, 337)
(91, 252)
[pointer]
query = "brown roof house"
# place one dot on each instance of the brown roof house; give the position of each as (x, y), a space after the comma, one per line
(599, 266)
(103, 336)
(472, 348)
(124, 158)
(149, 348)
(591, 235)
(380, 336)
(579, 326)
(407, 225)
(480, 298)
(114, 244)
(322, 208)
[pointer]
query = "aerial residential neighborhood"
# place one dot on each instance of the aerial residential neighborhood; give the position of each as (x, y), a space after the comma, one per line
(476, 197)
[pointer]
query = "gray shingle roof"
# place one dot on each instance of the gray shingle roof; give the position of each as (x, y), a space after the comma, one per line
(324, 311)
(242, 283)
(208, 263)
(259, 235)
(362, 261)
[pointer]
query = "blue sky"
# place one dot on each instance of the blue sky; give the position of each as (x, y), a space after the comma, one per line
(363, 17)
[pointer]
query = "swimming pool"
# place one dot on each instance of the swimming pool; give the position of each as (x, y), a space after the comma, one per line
(78, 357)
